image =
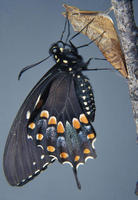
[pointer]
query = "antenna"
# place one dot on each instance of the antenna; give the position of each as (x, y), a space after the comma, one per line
(31, 66)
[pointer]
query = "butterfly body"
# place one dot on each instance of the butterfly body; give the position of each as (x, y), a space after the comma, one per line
(55, 120)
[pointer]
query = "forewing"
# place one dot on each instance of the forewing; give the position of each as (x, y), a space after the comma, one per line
(22, 158)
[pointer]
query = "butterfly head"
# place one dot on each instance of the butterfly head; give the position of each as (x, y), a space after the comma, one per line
(65, 54)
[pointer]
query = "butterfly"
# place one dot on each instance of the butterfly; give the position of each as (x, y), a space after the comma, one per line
(55, 120)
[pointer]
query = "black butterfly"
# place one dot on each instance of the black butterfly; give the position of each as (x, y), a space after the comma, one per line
(55, 120)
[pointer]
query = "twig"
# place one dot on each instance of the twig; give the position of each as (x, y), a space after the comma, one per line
(128, 33)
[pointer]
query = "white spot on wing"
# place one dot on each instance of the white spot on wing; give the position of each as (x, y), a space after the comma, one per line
(40, 146)
(29, 137)
(93, 143)
(37, 171)
(89, 157)
(53, 157)
(28, 114)
(79, 165)
(38, 99)
(42, 156)
(34, 163)
(45, 165)
(67, 162)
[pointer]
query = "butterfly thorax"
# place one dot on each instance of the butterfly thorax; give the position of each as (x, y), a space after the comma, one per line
(67, 57)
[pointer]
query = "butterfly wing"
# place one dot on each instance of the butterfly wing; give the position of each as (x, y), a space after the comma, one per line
(22, 159)
(61, 127)
(51, 124)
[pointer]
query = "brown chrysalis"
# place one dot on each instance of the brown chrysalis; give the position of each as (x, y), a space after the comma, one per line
(101, 30)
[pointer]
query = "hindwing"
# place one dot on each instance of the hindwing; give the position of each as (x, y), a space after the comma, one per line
(60, 127)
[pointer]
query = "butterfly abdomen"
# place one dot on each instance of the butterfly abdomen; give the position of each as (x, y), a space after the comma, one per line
(85, 95)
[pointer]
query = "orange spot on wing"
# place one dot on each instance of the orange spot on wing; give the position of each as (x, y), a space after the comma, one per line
(39, 136)
(51, 148)
(76, 123)
(32, 125)
(86, 151)
(60, 128)
(64, 155)
(45, 114)
(76, 158)
(52, 120)
(91, 136)
(83, 119)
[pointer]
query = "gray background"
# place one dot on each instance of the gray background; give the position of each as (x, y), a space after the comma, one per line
(27, 29)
